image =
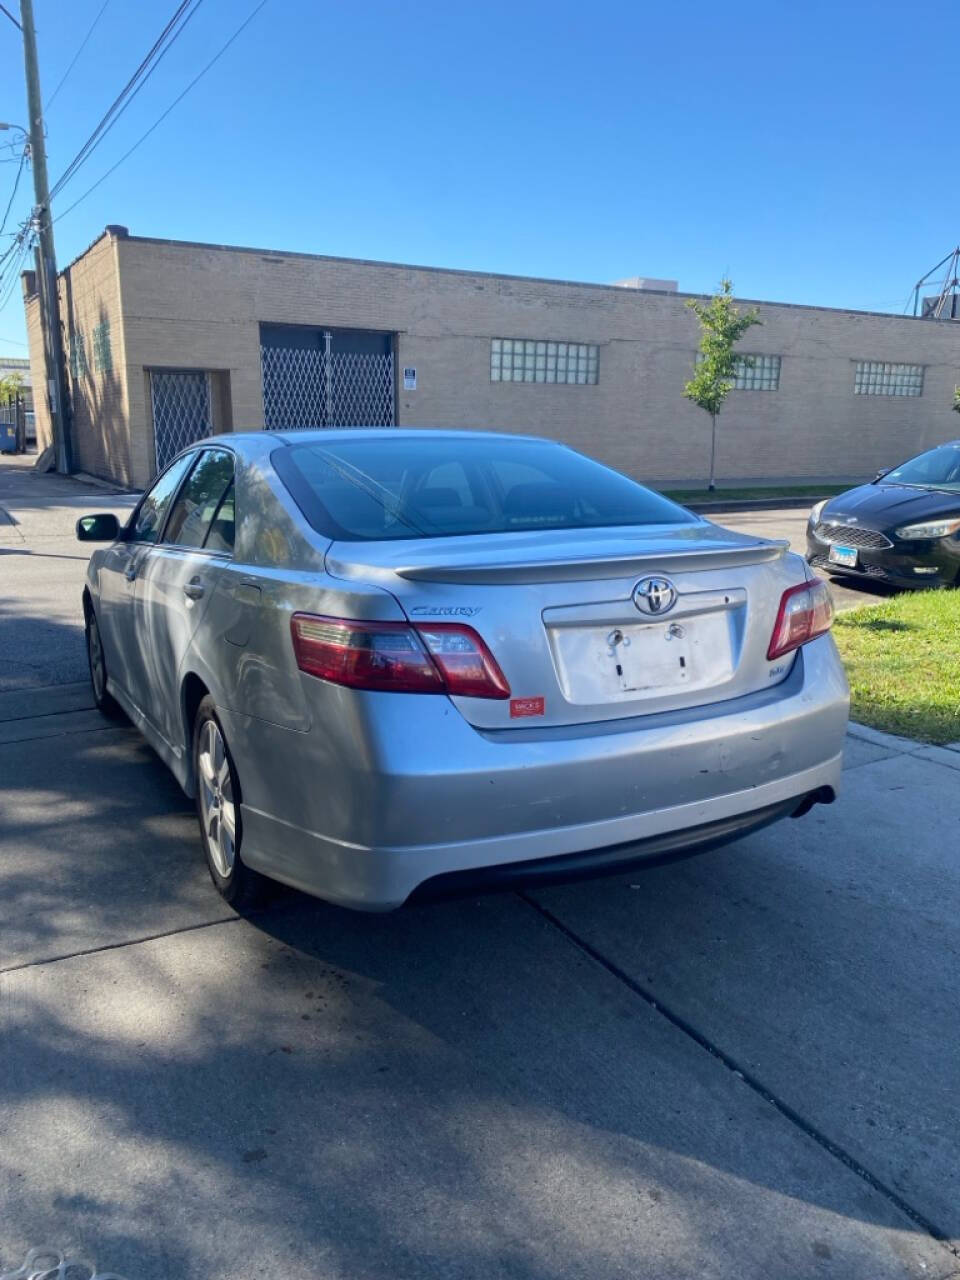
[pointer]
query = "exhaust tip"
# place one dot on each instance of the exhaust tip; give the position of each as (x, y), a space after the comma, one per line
(822, 795)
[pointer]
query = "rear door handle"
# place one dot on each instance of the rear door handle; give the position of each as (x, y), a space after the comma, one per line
(131, 571)
(193, 589)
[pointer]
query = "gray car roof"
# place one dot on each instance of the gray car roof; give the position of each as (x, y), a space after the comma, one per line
(306, 435)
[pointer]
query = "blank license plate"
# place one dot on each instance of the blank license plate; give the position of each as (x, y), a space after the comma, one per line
(643, 660)
(844, 555)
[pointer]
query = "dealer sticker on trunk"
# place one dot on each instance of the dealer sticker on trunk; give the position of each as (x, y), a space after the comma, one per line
(526, 707)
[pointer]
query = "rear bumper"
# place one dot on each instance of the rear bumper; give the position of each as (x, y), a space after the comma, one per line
(429, 799)
(927, 563)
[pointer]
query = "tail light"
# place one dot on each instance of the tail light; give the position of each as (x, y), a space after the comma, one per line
(806, 611)
(396, 657)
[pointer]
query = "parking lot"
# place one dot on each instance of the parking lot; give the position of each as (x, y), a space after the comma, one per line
(742, 1065)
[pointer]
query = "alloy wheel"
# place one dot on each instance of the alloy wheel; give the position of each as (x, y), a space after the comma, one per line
(98, 673)
(217, 808)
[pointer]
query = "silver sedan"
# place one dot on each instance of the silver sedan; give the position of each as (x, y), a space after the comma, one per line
(387, 660)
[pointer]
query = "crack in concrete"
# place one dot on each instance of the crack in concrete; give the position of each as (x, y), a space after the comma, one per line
(118, 946)
(748, 1078)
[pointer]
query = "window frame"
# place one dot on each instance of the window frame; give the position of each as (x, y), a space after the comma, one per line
(196, 448)
(868, 377)
(742, 377)
(163, 541)
(537, 360)
(131, 524)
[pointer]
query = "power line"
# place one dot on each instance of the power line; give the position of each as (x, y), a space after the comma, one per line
(143, 71)
(13, 193)
(14, 277)
(73, 61)
(160, 119)
(10, 273)
(11, 17)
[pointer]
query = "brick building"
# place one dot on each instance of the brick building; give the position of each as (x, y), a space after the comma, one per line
(167, 341)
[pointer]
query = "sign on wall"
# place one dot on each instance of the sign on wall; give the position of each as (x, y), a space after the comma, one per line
(409, 378)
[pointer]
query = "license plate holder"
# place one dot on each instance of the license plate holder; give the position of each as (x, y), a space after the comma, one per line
(652, 656)
(587, 658)
(846, 556)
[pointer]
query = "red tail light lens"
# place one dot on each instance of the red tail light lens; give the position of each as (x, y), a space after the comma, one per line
(364, 655)
(467, 665)
(396, 657)
(806, 611)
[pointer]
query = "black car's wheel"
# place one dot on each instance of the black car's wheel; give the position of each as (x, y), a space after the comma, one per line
(218, 811)
(97, 663)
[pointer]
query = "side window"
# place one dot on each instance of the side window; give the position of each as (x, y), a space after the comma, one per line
(150, 515)
(221, 535)
(199, 499)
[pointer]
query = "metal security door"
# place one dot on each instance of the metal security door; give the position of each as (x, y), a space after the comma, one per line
(326, 378)
(182, 411)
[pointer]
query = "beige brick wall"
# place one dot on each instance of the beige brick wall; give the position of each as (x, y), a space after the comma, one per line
(38, 371)
(90, 300)
(194, 306)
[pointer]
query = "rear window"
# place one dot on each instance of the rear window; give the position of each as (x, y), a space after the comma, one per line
(416, 487)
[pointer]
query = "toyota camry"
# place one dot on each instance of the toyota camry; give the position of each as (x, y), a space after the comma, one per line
(382, 660)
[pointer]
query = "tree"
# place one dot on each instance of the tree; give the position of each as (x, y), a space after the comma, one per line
(722, 325)
(10, 388)
(956, 399)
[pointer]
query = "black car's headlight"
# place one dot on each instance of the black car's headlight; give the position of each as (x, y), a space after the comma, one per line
(815, 511)
(930, 529)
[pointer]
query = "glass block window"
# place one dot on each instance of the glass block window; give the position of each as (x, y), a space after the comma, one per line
(78, 355)
(757, 373)
(875, 378)
(525, 360)
(102, 355)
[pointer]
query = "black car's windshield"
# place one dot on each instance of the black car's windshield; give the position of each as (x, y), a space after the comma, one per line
(417, 487)
(937, 469)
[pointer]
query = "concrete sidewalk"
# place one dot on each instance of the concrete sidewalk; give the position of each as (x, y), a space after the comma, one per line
(742, 1066)
(41, 572)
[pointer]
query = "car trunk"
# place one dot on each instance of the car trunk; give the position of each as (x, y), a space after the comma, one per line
(557, 611)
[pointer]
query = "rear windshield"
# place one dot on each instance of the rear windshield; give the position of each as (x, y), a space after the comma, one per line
(937, 469)
(414, 487)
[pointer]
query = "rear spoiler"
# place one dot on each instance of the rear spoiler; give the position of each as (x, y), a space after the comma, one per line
(584, 568)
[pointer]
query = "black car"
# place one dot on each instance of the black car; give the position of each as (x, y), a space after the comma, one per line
(903, 528)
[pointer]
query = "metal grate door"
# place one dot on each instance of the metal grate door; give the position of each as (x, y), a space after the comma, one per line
(294, 387)
(181, 411)
(361, 389)
(326, 378)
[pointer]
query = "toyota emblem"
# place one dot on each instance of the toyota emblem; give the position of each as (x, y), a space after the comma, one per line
(654, 595)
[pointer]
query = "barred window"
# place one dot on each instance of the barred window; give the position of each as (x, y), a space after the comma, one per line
(78, 355)
(757, 373)
(875, 378)
(523, 360)
(102, 355)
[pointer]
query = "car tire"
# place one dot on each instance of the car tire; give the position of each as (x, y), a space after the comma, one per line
(218, 811)
(97, 665)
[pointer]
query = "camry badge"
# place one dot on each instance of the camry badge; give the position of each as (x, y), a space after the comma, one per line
(654, 595)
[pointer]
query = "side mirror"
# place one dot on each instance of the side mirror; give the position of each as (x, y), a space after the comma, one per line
(880, 474)
(104, 527)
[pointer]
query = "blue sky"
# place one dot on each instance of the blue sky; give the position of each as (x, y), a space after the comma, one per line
(806, 149)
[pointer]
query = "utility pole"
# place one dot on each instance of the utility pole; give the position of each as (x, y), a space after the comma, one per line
(46, 258)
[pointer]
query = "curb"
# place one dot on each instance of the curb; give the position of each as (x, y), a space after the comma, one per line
(743, 504)
(948, 755)
(85, 478)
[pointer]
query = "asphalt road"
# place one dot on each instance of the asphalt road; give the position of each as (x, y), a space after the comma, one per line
(740, 1066)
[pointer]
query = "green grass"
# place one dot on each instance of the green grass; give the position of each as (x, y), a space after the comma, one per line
(802, 492)
(903, 664)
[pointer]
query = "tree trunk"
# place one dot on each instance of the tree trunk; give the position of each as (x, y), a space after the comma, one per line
(713, 452)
